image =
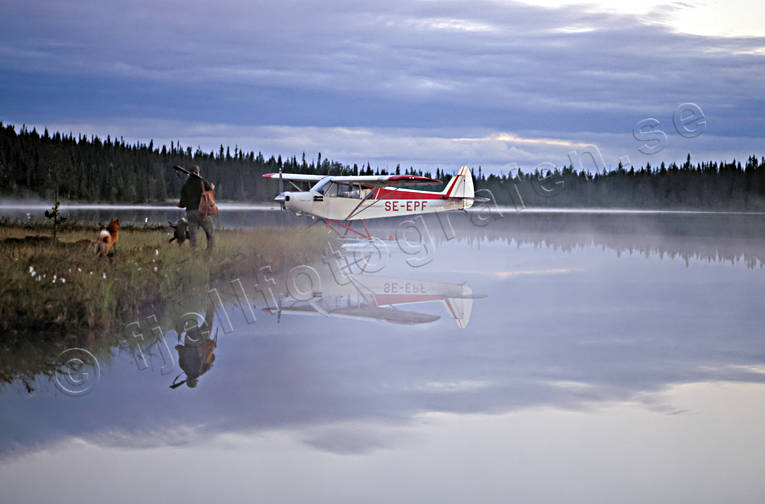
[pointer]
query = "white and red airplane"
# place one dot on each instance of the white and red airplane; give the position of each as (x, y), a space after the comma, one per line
(344, 198)
(373, 297)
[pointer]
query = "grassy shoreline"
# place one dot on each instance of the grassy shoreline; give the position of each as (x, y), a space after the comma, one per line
(64, 287)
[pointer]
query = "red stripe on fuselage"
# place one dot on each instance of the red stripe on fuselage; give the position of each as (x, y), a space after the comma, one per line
(404, 194)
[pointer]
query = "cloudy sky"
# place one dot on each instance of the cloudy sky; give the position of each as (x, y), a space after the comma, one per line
(423, 83)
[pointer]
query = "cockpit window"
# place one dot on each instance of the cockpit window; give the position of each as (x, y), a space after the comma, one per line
(348, 191)
(330, 190)
(321, 185)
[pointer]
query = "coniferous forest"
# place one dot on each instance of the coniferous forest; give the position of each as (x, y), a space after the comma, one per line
(80, 168)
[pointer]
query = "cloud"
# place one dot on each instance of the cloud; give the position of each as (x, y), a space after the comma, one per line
(354, 438)
(488, 70)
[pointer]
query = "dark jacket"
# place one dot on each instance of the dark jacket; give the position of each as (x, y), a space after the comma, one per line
(195, 358)
(191, 193)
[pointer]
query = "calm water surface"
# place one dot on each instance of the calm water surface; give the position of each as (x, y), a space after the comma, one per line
(532, 358)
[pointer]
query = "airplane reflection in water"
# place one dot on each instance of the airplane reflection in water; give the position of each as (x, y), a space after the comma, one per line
(377, 297)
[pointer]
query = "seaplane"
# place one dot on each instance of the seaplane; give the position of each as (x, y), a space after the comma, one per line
(341, 199)
(378, 298)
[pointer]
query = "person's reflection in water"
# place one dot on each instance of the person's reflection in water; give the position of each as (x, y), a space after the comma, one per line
(197, 354)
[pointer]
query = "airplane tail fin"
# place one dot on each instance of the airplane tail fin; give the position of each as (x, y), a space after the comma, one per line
(461, 307)
(461, 186)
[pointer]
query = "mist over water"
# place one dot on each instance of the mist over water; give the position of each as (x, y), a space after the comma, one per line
(549, 355)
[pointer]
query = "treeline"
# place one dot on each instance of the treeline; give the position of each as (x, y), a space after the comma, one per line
(726, 185)
(85, 168)
(82, 168)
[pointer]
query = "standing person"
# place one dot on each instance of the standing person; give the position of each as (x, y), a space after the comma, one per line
(191, 193)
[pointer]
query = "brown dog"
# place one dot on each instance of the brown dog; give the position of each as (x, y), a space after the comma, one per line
(108, 238)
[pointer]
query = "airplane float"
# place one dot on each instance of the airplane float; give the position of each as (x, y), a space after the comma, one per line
(342, 199)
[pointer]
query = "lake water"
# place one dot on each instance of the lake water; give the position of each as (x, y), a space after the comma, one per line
(514, 357)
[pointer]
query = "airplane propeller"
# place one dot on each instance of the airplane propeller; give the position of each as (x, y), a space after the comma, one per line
(281, 189)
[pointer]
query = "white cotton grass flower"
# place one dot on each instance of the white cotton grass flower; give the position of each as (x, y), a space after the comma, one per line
(63, 280)
(103, 275)
(156, 252)
(79, 270)
(91, 272)
(155, 268)
(32, 271)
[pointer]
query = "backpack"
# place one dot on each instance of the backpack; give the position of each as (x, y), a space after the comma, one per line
(207, 202)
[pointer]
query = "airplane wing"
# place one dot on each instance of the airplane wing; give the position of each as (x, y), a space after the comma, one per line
(295, 176)
(384, 180)
(363, 180)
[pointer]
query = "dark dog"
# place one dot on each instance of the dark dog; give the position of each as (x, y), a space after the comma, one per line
(180, 231)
